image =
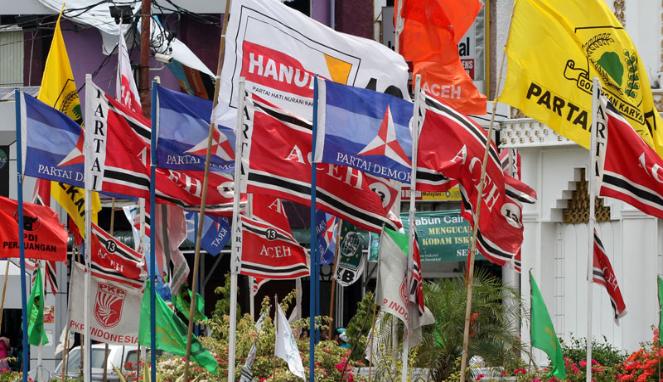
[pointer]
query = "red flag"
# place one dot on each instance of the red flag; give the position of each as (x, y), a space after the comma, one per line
(429, 39)
(604, 275)
(271, 253)
(417, 280)
(632, 171)
(270, 209)
(45, 238)
(500, 228)
(114, 261)
(279, 164)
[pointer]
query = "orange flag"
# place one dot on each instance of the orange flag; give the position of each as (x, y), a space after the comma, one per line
(429, 39)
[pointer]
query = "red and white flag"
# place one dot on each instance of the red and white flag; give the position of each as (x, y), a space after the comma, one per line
(628, 168)
(114, 261)
(269, 252)
(279, 164)
(460, 158)
(42, 196)
(604, 275)
(126, 90)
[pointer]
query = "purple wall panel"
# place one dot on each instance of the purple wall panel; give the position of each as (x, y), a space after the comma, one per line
(355, 17)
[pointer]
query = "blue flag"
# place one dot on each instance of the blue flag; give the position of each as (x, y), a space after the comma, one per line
(216, 232)
(183, 127)
(325, 228)
(364, 129)
(53, 143)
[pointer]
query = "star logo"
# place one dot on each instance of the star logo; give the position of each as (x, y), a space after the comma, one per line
(329, 230)
(221, 146)
(386, 143)
(75, 156)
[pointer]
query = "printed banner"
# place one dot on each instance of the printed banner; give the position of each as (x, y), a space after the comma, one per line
(279, 51)
(351, 261)
(115, 308)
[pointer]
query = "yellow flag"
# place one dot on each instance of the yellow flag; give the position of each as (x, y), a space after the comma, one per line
(555, 48)
(58, 89)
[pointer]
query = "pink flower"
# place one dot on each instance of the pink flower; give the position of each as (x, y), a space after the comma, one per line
(480, 377)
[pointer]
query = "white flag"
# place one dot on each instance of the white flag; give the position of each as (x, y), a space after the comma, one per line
(125, 87)
(279, 51)
(286, 347)
(116, 309)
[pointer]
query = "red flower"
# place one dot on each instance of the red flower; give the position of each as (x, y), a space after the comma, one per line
(480, 377)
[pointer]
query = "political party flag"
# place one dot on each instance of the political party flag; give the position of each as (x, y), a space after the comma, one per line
(285, 346)
(58, 89)
(365, 130)
(659, 281)
(278, 164)
(170, 234)
(582, 40)
(179, 149)
(500, 229)
(429, 39)
(116, 308)
(399, 292)
(182, 301)
(603, 274)
(114, 261)
(42, 196)
(45, 238)
(628, 168)
(270, 252)
(171, 333)
(126, 90)
(325, 227)
(36, 332)
(542, 332)
(279, 51)
(351, 260)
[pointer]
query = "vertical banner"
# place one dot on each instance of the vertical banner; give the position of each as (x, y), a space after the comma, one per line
(351, 261)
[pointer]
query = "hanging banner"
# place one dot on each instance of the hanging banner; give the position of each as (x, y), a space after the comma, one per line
(351, 261)
(115, 309)
(443, 236)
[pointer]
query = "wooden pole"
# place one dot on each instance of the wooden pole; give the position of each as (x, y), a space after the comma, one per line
(4, 292)
(144, 66)
(203, 198)
(112, 229)
(473, 243)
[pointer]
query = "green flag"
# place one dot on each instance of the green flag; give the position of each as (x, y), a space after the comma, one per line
(36, 332)
(171, 333)
(542, 332)
(660, 309)
(182, 304)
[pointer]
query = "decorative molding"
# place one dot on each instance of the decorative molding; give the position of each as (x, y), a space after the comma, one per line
(577, 210)
(527, 132)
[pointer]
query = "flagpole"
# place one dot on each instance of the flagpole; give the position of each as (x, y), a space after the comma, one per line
(252, 300)
(591, 223)
(332, 299)
(203, 198)
(473, 242)
(88, 228)
(21, 239)
(236, 232)
(416, 119)
(153, 231)
(313, 255)
(112, 230)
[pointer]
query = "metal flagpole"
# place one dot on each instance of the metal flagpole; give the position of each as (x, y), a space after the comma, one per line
(153, 232)
(416, 118)
(236, 237)
(473, 242)
(21, 240)
(591, 183)
(88, 228)
(313, 255)
(203, 198)
(252, 300)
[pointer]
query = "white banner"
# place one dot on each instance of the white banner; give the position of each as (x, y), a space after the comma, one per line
(115, 309)
(279, 50)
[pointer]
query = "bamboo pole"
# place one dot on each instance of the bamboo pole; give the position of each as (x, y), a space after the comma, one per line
(473, 243)
(112, 230)
(203, 199)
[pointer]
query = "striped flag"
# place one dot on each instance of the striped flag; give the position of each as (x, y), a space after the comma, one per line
(114, 261)
(603, 274)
